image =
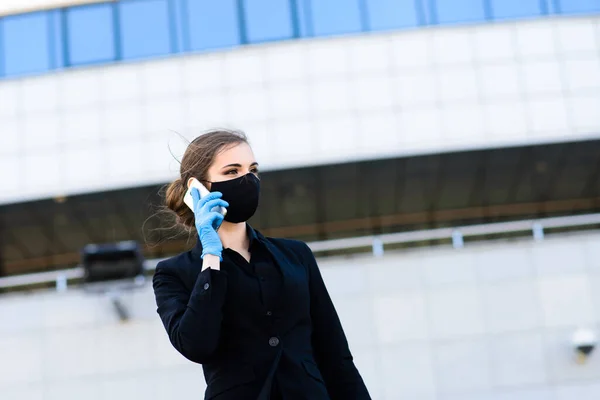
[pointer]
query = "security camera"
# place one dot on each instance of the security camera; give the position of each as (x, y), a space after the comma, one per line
(584, 342)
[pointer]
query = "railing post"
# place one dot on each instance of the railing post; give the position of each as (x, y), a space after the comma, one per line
(457, 239)
(377, 247)
(538, 231)
(61, 283)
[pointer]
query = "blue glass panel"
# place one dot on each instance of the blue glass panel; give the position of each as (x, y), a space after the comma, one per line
(145, 29)
(452, 11)
(515, 8)
(579, 6)
(268, 20)
(335, 17)
(390, 14)
(90, 34)
(26, 44)
(212, 24)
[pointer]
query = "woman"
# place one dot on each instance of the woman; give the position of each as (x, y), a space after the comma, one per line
(254, 311)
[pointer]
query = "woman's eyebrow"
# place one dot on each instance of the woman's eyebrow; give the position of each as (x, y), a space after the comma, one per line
(232, 165)
(254, 164)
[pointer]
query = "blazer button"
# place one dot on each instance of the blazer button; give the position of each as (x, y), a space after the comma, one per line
(206, 286)
(269, 313)
(273, 342)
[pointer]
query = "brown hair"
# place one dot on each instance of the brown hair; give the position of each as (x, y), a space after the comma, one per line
(197, 159)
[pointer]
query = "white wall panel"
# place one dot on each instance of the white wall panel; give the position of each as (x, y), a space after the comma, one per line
(11, 177)
(528, 369)
(308, 102)
(10, 98)
(585, 115)
(85, 126)
(408, 372)
(494, 45)
(473, 357)
(535, 41)
(32, 393)
(455, 312)
(25, 359)
(121, 84)
(586, 391)
(506, 121)
(511, 307)
(38, 94)
(576, 36)
(583, 74)
(566, 301)
(369, 55)
(409, 321)
(41, 132)
(285, 63)
(499, 81)
(44, 172)
(11, 138)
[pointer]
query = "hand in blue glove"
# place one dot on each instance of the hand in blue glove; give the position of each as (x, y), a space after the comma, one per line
(208, 221)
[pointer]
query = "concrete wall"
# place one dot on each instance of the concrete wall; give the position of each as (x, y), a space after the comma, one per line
(304, 102)
(489, 322)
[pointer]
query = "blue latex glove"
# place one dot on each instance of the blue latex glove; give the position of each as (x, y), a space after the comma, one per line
(208, 221)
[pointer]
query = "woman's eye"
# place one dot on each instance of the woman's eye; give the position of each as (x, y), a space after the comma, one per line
(254, 171)
(231, 172)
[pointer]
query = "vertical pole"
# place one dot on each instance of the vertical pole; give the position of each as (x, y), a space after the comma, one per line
(242, 22)
(377, 247)
(457, 240)
(538, 232)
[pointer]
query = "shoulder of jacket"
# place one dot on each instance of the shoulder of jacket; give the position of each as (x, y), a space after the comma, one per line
(173, 263)
(292, 244)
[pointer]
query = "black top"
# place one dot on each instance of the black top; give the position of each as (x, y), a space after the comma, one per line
(251, 334)
(261, 270)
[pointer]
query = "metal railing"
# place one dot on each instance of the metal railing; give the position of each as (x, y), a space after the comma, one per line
(376, 243)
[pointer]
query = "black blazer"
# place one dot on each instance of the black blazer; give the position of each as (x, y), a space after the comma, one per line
(214, 320)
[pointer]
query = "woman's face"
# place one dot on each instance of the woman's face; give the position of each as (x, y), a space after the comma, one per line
(233, 162)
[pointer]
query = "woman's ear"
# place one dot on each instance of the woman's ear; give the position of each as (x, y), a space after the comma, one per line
(189, 182)
(206, 184)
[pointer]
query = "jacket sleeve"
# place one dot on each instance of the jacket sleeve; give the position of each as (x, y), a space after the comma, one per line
(330, 345)
(192, 320)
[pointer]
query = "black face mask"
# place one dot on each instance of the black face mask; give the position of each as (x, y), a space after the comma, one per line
(242, 194)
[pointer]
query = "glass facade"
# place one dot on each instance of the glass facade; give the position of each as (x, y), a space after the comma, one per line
(133, 29)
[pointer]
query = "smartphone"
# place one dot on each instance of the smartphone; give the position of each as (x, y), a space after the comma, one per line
(189, 201)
